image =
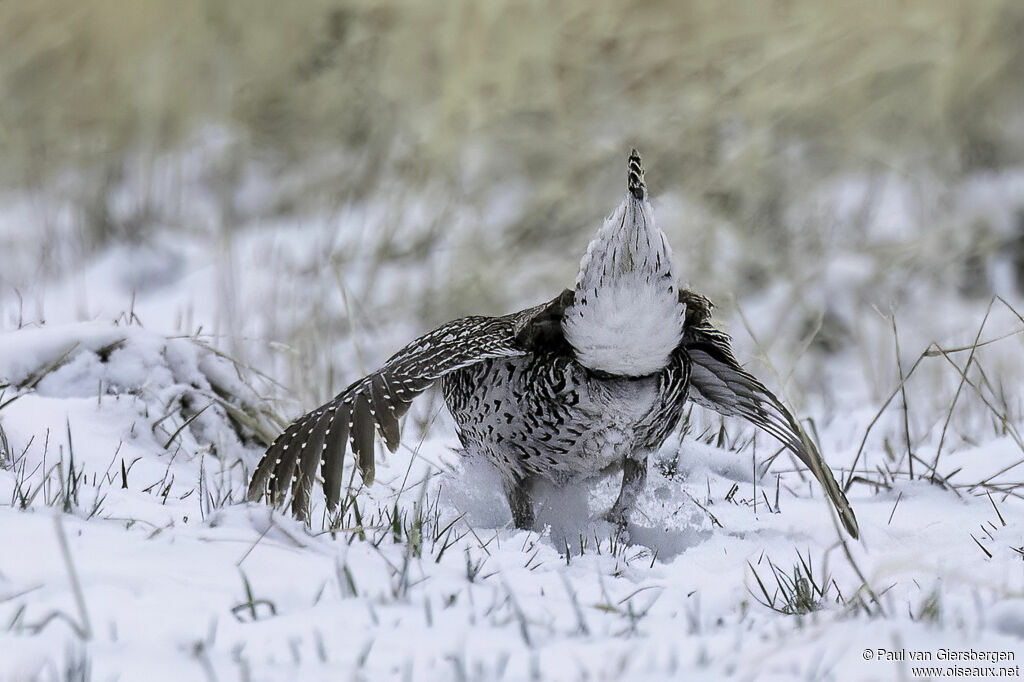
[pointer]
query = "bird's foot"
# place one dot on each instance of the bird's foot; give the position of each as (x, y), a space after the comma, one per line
(618, 517)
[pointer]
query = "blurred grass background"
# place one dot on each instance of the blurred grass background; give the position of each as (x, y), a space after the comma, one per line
(524, 112)
(719, 92)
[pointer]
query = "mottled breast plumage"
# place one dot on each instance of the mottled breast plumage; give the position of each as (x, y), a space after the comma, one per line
(547, 415)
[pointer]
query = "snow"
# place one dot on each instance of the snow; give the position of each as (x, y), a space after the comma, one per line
(122, 374)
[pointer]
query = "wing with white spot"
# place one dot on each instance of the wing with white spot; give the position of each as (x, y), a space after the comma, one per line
(320, 438)
(718, 382)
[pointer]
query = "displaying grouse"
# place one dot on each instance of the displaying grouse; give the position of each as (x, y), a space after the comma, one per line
(593, 380)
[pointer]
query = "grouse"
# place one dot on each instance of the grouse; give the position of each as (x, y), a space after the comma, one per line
(594, 380)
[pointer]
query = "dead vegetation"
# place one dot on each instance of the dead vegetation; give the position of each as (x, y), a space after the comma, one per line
(745, 102)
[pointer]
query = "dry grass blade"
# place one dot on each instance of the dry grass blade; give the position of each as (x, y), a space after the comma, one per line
(84, 627)
(981, 546)
(935, 350)
(998, 513)
(874, 420)
(185, 424)
(795, 593)
(1003, 419)
(5, 403)
(960, 386)
(903, 392)
(896, 504)
(264, 424)
(33, 379)
(864, 584)
(6, 461)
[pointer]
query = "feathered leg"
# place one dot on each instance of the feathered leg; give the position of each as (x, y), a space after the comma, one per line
(520, 502)
(634, 478)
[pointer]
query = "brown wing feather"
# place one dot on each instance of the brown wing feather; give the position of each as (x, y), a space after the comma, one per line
(320, 438)
(385, 411)
(302, 483)
(361, 436)
(332, 467)
(719, 382)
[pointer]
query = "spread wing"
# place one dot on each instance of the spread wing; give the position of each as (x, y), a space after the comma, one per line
(718, 382)
(320, 438)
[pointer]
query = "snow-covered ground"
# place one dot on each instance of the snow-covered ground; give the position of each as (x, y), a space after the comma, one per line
(137, 379)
